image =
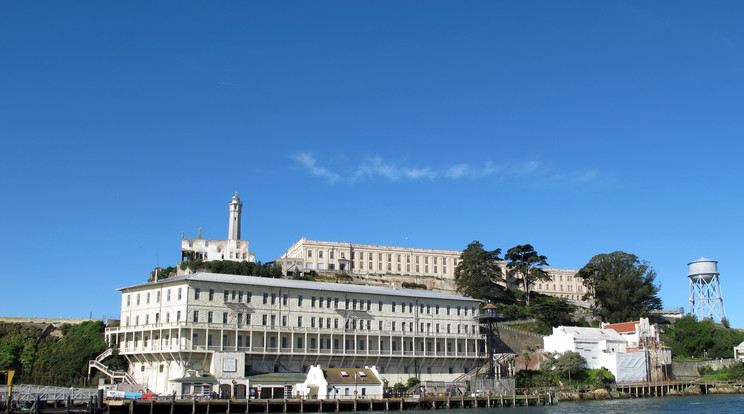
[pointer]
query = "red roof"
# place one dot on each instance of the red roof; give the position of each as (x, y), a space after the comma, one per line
(624, 327)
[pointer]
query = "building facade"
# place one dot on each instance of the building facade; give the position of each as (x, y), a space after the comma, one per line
(602, 348)
(340, 383)
(233, 249)
(190, 333)
(433, 268)
(368, 259)
(643, 336)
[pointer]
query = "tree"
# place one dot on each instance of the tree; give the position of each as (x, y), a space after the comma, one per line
(620, 286)
(478, 271)
(527, 356)
(524, 264)
(689, 337)
(551, 312)
(569, 363)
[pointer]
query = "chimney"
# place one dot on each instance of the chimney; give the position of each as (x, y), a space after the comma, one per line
(199, 233)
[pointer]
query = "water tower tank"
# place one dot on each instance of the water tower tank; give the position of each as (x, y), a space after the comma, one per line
(706, 300)
(703, 270)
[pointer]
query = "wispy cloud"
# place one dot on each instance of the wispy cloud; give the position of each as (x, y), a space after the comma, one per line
(376, 167)
(309, 162)
(468, 171)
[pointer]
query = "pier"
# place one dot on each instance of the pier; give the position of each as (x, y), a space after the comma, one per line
(289, 405)
(320, 405)
(662, 388)
(54, 401)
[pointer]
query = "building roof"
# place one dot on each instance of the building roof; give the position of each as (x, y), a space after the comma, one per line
(623, 327)
(592, 334)
(205, 379)
(373, 246)
(277, 377)
(304, 284)
(335, 376)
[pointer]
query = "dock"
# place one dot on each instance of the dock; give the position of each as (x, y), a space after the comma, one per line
(319, 405)
(288, 405)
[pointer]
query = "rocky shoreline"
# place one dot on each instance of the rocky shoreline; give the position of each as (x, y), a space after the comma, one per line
(603, 394)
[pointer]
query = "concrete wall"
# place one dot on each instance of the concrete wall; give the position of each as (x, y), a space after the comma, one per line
(516, 341)
(56, 322)
(686, 370)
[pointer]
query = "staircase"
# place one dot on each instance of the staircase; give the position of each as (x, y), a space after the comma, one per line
(114, 376)
(105, 354)
(483, 368)
(472, 373)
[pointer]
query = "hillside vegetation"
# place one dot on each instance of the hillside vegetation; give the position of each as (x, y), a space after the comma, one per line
(41, 357)
(690, 338)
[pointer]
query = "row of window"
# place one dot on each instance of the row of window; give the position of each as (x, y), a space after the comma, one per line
(146, 319)
(330, 303)
(304, 369)
(370, 267)
(371, 256)
(324, 343)
(241, 319)
(569, 288)
(147, 296)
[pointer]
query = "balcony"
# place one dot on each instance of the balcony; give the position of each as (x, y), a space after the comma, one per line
(212, 326)
(202, 348)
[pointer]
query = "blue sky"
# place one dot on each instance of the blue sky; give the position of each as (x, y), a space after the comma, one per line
(578, 127)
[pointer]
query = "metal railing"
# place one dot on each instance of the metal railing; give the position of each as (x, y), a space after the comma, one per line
(113, 375)
(300, 351)
(23, 392)
(276, 328)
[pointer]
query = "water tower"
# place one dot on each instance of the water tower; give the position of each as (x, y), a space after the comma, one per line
(706, 300)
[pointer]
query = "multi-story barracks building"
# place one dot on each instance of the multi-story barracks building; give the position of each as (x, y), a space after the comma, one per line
(431, 267)
(190, 333)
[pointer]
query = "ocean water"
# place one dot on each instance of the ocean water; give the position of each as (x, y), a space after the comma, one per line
(713, 404)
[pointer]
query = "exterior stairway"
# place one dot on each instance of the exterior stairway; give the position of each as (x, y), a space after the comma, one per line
(115, 376)
(473, 373)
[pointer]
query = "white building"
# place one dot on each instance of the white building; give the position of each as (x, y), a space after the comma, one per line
(233, 249)
(739, 352)
(340, 383)
(191, 333)
(368, 259)
(433, 268)
(602, 348)
(637, 333)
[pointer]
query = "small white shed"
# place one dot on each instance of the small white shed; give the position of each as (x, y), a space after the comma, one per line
(342, 383)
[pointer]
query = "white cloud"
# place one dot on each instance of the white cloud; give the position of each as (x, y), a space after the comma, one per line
(308, 162)
(375, 167)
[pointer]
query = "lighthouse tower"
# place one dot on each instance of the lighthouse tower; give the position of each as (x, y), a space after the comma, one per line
(706, 299)
(233, 229)
(234, 248)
